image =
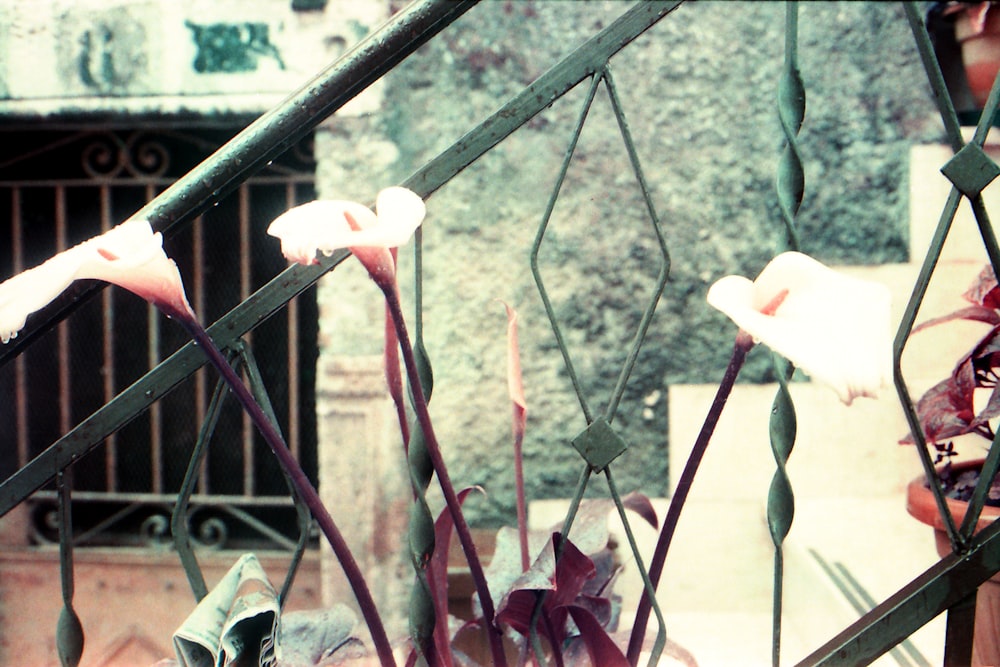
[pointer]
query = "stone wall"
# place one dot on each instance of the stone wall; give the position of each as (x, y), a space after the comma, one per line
(699, 93)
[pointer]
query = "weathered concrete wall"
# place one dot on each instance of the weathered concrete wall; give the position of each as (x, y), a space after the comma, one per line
(699, 91)
(152, 57)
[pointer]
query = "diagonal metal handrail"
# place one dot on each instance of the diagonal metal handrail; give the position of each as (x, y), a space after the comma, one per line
(940, 587)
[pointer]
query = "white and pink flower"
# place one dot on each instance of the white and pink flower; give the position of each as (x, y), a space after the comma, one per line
(324, 226)
(129, 255)
(835, 328)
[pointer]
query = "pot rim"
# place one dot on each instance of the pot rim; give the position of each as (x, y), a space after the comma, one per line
(921, 505)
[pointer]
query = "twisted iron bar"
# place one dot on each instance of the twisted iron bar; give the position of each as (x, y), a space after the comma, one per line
(421, 536)
(789, 185)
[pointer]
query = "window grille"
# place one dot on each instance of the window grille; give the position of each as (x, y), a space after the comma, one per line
(61, 187)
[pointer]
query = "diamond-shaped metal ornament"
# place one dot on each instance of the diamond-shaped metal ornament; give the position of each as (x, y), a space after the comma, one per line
(599, 445)
(971, 170)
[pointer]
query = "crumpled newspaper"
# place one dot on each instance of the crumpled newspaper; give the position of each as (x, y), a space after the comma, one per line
(240, 624)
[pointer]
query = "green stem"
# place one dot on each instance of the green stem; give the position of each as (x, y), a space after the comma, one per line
(434, 451)
(743, 345)
(302, 485)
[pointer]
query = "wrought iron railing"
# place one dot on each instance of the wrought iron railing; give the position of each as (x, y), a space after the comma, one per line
(948, 585)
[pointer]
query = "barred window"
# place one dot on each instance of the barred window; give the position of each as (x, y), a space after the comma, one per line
(59, 187)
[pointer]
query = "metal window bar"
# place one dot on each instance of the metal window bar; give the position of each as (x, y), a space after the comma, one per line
(944, 585)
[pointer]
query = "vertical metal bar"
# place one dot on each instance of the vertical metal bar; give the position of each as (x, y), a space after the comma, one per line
(108, 351)
(155, 410)
(179, 518)
(256, 382)
(63, 354)
(198, 294)
(69, 630)
(648, 586)
(245, 277)
(661, 281)
(20, 364)
(294, 430)
(789, 188)
(932, 68)
(294, 427)
(959, 630)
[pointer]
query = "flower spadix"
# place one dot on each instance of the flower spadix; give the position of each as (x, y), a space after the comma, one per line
(834, 327)
(129, 255)
(328, 225)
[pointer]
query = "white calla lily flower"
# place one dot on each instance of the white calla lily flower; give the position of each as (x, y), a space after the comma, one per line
(834, 327)
(129, 255)
(328, 225)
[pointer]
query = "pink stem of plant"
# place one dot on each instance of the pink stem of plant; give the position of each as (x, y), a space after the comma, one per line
(391, 356)
(744, 343)
(302, 486)
(437, 461)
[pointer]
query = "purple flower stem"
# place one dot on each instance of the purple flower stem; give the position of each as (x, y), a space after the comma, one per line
(437, 461)
(744, 343)
(302, 486)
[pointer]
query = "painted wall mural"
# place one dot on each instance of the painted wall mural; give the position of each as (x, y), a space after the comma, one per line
(232, 47)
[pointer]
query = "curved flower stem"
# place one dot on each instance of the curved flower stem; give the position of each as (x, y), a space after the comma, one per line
(434, 451)
(744, 343)
(302, 485)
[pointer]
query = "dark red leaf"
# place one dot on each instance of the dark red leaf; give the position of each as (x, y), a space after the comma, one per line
(984, 290)
(603, 650)
(643, 506)
(563, 583)
(992, 408)
(986, 354)
(946, 409)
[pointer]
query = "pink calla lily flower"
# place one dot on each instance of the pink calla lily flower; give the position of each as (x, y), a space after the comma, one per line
(129, 255)
(328, 225)
(834, 327)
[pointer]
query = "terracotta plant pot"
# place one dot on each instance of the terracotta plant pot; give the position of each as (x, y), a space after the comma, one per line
(920, 503)
(977, 30)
